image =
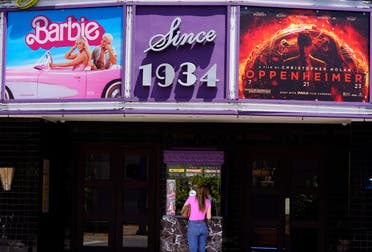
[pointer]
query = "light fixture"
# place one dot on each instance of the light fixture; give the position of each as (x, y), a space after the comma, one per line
(6, 176)
(369, 185)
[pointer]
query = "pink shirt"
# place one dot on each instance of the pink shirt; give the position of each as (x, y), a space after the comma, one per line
(195, 214)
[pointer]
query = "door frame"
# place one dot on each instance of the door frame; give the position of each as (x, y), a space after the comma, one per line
(284, 155)
(80, 149)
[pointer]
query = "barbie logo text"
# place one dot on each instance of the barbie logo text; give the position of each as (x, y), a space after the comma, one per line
(48, 34)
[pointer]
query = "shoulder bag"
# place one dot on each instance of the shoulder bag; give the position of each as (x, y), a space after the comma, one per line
(185, 212)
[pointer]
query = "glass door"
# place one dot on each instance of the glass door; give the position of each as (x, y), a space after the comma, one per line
(266, 205)
(117, 196)
(284, 204)
(97, 201)
(134, 219)
(307, 209)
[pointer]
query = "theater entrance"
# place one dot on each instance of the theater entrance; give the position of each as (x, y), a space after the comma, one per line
(285, 208)
(117, 209)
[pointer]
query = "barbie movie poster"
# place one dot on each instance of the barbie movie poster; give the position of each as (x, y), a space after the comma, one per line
(171, 197)
(64, 54)
(298, 54)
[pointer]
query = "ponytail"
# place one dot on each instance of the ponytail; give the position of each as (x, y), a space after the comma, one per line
(202, 195)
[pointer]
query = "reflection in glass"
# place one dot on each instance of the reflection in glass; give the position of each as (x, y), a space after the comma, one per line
(97, 201)
(266, 206)
(96, 233)
(136, 167)
(305, 202)
(97, 167)
(135, 201)
(135, 236)
(306, 173)
(305, 206)
(263, 173)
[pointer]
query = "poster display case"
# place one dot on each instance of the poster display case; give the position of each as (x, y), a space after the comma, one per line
(66, 54)
(304, 54)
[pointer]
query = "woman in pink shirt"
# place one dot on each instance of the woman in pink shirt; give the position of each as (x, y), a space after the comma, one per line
(200, 210)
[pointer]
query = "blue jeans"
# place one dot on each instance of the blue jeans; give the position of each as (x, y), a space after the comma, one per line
(197, 234)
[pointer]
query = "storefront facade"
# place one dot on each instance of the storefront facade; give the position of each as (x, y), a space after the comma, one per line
(267, 105)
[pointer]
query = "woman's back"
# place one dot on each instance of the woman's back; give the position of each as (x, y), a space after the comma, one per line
(195, 213)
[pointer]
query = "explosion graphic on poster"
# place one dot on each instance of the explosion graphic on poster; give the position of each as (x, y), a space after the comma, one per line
(295, 54)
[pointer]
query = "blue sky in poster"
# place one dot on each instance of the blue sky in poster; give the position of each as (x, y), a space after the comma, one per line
(19, 24)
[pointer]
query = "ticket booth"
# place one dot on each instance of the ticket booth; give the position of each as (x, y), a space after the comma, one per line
(185, 171)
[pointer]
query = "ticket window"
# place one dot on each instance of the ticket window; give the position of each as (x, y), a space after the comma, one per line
(183, 176)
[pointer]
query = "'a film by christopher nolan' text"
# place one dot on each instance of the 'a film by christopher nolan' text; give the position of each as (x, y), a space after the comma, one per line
(296, 54)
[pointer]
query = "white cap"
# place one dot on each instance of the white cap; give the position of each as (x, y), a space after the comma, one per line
(192, 193)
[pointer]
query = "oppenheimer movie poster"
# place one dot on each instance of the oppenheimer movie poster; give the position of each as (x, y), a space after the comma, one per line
(298, 54)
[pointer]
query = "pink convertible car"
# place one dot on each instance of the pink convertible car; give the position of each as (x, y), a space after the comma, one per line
(43, 82)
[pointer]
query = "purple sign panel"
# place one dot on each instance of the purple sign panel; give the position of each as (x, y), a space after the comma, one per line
(179, 53)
